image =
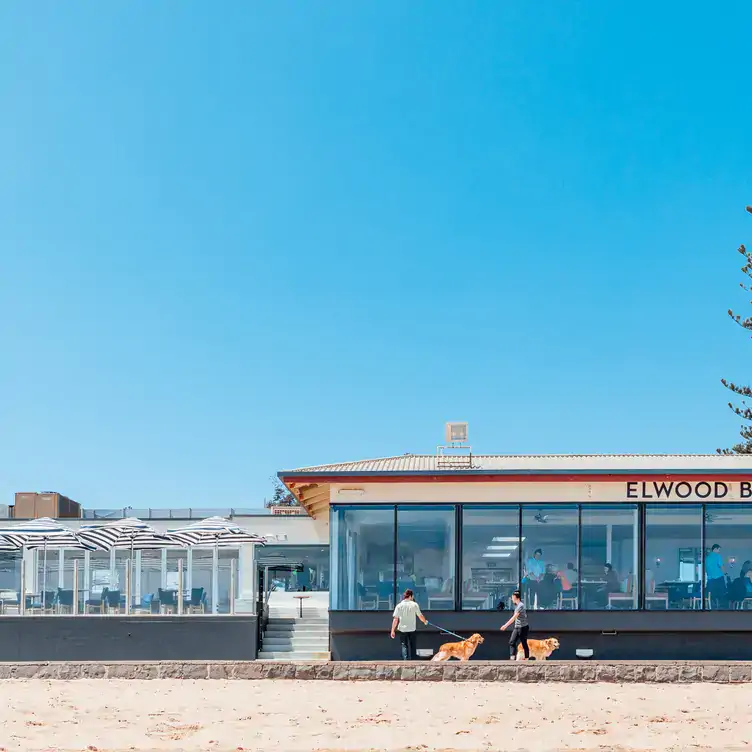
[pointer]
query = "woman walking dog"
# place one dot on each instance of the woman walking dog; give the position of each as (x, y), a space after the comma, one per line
(521, 627)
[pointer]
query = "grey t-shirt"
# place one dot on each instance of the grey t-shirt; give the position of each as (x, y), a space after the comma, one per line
(520, 615)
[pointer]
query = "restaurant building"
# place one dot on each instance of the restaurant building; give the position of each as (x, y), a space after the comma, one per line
(630, 556)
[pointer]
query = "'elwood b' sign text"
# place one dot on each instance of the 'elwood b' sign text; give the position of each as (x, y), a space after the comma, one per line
(645, 490)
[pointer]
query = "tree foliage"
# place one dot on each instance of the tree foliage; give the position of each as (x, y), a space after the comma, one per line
(281, 496)
(743, 411)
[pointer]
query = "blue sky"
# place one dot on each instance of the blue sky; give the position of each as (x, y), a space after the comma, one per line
(245, 237)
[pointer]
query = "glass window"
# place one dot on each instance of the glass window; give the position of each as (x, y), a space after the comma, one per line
(122, 557)
(48, 576)
(201, 578)
(227, 578)
(10, 580)
(609, 557)
(490, 556)
(362, 558)
(426, 555)
(311, 562)
(673, 556)
(71, 557)
(728, 556)
(100, 576)
(148, 579)
(549, 556)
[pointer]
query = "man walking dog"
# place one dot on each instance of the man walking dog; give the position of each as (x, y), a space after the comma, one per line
(521, 627)
(404, 620)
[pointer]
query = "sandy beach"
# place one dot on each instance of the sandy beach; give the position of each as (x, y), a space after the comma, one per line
(137, 716)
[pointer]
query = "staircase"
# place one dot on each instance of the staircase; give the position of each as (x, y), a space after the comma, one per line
(288, 637)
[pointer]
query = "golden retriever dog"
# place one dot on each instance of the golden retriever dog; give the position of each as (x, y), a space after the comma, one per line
(539, 649)
(460, 650)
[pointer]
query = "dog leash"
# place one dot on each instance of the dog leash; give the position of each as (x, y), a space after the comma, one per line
(441, 629)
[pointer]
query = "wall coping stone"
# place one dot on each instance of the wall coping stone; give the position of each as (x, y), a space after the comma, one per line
(626, 672)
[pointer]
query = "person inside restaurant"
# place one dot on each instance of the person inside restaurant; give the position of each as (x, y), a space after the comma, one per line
(535, 570)
(716, 576)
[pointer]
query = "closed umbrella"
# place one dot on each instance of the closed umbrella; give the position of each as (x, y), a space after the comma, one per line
(130, 533)
(42, 533)
(216, 532)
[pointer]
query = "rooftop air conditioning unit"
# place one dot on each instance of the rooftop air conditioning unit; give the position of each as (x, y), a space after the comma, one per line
(456, 433)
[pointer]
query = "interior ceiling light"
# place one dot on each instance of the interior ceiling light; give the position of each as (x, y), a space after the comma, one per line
(496, 556)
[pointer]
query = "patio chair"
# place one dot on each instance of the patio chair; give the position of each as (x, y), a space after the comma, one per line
(9, 600)
(111, 601)
(36, 604)
(96, 604)
(64, 601)
(168, 600)
(49, 601)
(198, 600)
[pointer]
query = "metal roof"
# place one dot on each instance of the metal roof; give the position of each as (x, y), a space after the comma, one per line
(501, 463)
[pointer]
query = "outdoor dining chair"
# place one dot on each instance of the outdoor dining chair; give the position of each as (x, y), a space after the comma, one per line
(111, 601)
(64, 600)
(168, 600)
(197, 604)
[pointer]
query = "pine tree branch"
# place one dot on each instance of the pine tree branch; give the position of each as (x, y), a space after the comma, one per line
(744, 391)
(744, 412)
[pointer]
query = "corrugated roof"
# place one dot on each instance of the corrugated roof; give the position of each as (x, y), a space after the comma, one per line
(423, 463)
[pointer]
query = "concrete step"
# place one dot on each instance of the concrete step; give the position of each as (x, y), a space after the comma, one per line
(307, 615)
(297, 617)
(305, 620)
(292, 626)
(294, 656)
(303, 645)
(274, 634)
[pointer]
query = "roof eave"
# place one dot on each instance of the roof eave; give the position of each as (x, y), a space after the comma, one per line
(330, 475)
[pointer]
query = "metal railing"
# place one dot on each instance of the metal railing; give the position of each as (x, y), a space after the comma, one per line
(172, 514)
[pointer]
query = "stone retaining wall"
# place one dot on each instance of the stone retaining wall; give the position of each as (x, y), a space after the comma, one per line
(550, 671)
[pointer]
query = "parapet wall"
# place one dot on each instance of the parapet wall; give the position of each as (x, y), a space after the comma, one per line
(551, 671)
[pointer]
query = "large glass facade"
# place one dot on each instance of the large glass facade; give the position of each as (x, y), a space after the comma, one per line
(363, 558)
(549, 556)
(562, 556)
(610, 543)
(426, 554)
(210, 581)
(728, 556)
(673, 556)
(490, 556)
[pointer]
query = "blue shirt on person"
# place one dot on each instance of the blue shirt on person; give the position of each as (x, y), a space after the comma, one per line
(536, 568)
(714, 565)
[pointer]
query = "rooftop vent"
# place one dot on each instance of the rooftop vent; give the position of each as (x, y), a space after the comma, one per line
(455, 433)
(455, 454)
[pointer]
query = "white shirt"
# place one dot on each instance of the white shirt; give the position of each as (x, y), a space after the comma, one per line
(407, 612)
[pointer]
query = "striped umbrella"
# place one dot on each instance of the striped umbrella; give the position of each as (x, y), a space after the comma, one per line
(6, 545)
(216, 532)
(130, 533)
(42, 533)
